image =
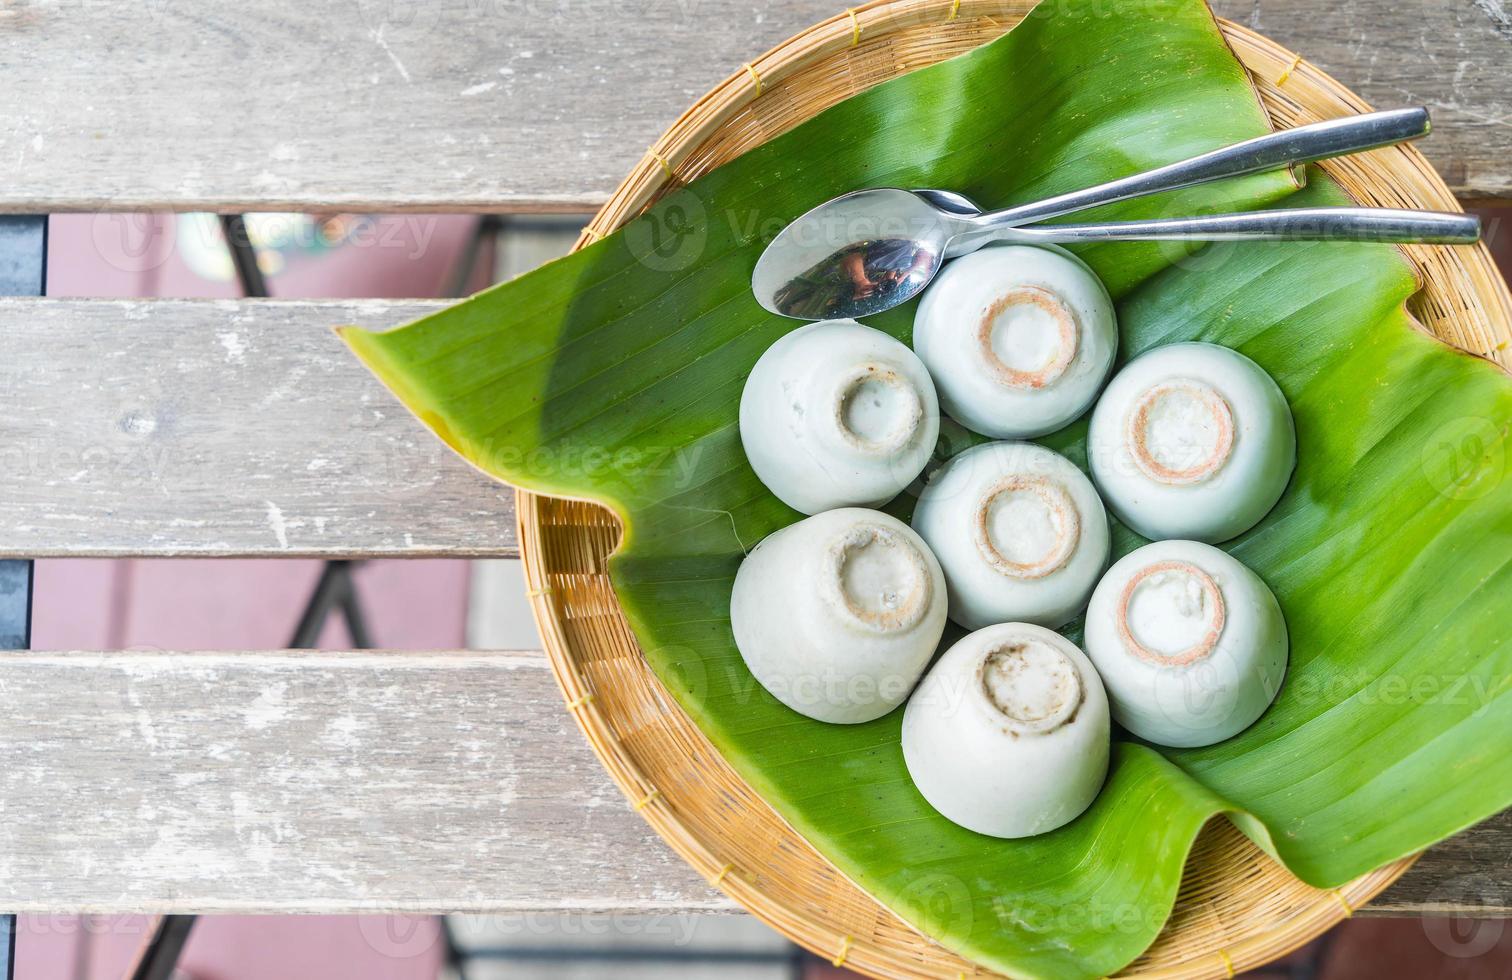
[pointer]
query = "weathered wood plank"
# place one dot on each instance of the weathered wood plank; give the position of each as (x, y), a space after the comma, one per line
(177, 782)
(482, 104)
(312, 781)
(1453, 57)
(221, 428)
(1469, 874)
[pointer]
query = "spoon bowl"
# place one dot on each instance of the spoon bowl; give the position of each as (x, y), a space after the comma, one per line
(858, 254)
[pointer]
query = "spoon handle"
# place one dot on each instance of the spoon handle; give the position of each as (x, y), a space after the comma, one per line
(1296, 224)
(1317, 141)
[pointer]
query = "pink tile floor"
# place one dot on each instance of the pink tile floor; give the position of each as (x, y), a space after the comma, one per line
(231, 604)
(235, 947)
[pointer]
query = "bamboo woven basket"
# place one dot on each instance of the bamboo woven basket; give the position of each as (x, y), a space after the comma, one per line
(1237, 908)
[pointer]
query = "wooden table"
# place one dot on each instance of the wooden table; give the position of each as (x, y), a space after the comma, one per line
(265, 780)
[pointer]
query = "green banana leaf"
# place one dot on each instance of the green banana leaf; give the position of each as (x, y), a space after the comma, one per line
(615, 374)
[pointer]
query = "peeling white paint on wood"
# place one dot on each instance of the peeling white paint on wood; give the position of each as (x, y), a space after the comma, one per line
(148, 427)
(312, 781)
(583, 92)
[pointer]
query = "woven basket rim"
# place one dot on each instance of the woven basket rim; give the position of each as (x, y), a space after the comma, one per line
(657, 173)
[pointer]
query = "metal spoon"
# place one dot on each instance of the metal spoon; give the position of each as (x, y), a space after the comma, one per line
(1295, 224)
(871, 250)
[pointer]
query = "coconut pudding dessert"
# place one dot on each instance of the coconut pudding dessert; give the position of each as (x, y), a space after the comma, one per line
(837, 615)
(1018, 338)
(1190, 643)
(1008, 734)
(836, 414)
(1019, 531)
(1192, 441)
